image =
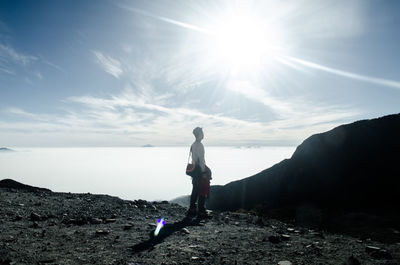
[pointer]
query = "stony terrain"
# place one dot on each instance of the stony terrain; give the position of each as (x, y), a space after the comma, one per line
(43, 227)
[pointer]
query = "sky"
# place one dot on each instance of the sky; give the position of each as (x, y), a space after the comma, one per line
(129, 73)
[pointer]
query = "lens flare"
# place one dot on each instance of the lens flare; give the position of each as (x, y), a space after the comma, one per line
(160, 224)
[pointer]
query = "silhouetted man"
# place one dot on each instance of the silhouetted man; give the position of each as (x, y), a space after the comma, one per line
(197, 150)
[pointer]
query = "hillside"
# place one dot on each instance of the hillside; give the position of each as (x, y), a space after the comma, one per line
(351, 169)
(353, 166)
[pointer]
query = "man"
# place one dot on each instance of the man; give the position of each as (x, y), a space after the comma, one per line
(197, 150)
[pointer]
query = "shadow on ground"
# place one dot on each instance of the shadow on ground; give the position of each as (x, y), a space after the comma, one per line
(165, 232)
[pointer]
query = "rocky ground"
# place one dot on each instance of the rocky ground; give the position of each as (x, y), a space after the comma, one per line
(42, 227)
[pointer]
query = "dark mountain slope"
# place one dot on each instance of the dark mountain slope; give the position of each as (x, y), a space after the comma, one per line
(353, 166)
(12, 184)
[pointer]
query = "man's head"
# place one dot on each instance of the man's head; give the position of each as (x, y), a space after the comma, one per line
(198, 133)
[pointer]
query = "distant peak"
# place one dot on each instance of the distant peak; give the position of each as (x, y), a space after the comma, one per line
(5, 149)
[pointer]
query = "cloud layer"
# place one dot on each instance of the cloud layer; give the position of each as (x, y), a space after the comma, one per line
(110, 65)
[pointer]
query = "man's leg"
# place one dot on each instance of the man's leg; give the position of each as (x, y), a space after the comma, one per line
(194, 196)
(201, 208)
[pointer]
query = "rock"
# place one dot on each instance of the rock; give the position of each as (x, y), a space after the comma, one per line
(285, 237)
(291, 230)
(317, 234)
(18, 218)
(280, 231)
(35, 225)
(95, 221)
(35, 217)
(10, 239)
(102, 232)
(48, 260)
(185, 230)
(110, 220)
(6, 261)
(285, 262)
(381, 254)
(258, 221)
(81, 221)
(370, 249)
(352, 261)
(52, 223)
(128, 226)
(274, 239)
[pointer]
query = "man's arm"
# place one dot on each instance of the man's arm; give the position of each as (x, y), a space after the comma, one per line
(202, 162)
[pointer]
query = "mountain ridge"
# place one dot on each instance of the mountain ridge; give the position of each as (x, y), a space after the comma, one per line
(330, 159)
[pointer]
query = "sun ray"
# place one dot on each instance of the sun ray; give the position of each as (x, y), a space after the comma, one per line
(237, 41)
(364, 78)
(168, 20)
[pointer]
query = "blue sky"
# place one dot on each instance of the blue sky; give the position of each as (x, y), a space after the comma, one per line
(129, 73)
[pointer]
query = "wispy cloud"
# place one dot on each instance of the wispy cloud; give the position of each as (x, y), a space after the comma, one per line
(8, 53)
(39, 75)
(254, 92)
(130, 100)
(291, 113)
(55, 66)
(14, 62)
(31, 116)
(18, 111)
(109, 64)
(7, 71)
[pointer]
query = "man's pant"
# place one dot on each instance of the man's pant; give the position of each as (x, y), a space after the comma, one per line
(195, 196)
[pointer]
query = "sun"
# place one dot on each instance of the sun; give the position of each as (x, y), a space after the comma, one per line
(243, 42)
